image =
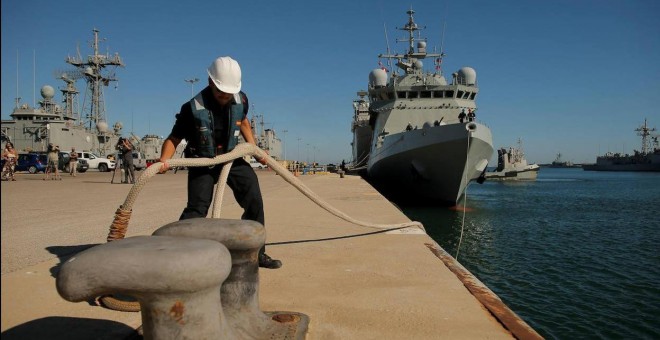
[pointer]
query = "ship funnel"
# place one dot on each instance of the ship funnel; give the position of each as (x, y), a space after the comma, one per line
(471, 127)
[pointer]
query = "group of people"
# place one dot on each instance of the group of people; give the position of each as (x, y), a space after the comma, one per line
(470, 115)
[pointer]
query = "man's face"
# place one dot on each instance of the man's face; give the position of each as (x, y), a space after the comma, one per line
(222, 97)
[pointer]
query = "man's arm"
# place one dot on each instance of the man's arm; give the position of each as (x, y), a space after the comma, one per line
(167, 151)
(246, 131)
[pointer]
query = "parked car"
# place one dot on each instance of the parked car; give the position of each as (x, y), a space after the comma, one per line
(65, 157)
(96, 162)
(256, 165)
(31, 162)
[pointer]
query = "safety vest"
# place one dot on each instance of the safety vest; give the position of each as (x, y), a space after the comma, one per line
(205, 144)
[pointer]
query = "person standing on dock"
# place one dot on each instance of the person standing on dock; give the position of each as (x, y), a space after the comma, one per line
(211, 123)
(73, 162)
(52, 169)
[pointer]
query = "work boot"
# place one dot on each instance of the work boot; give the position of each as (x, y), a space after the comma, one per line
(266, 262)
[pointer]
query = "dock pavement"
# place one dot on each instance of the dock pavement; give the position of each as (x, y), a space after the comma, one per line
(352, 283)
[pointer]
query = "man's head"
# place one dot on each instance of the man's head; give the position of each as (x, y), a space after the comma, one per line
(224, 78)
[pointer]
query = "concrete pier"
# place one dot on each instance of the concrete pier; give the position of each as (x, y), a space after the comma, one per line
(351, 282)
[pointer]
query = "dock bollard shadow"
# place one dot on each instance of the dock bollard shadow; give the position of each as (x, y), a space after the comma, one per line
(240, 291)
(176, 281)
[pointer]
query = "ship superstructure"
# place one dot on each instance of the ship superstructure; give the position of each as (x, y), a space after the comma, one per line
(265, 138)
(648, 159)
(33, 128)
(420, 150)
(362, 132)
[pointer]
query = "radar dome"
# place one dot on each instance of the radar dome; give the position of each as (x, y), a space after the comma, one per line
(378, 78)
(118, 126)
(47, 92)
(102, 126)
(421, 46)
(418, 64)
(467, 76)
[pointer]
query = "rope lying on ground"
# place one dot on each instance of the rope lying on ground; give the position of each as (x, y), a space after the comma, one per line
(120, 223)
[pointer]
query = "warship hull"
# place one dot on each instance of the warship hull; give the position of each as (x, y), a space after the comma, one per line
(361, 143)
(651, 167)
(430, 166)
(32, 135)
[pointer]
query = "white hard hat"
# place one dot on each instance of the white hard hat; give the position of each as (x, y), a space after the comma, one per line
(226, 74)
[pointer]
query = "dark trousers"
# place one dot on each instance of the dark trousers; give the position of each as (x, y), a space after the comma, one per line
(243, 182)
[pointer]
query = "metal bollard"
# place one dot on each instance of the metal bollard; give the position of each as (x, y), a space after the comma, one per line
(176, 280)
(240, 291)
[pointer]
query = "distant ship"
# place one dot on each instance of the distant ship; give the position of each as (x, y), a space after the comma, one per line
(512, 165)
(420, 152)
(33, 128)
(362, 133)
(560, 163)
(648, 159)
(266, 139)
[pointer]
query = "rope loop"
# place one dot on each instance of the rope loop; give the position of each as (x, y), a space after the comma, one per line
(122, 216)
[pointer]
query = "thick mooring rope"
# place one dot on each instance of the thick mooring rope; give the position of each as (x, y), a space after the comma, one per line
(120, 223)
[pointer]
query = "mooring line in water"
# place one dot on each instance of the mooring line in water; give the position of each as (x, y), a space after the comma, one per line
(467, 158)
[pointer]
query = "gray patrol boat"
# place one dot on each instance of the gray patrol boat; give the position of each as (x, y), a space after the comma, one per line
(31, 129)
(420, 151)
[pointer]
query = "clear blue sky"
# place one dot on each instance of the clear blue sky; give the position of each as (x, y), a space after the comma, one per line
(575, 77)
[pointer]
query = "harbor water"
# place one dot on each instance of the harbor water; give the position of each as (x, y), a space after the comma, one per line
(576, 253)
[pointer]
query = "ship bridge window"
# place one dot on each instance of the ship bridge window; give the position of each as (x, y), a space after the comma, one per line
(459, 94)
(401, 94)
(473, 95)
(449, 94)
(413, 94)
(425, 94)
(438, 94)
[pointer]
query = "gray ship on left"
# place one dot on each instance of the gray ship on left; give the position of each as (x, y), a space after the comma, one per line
(31, 129)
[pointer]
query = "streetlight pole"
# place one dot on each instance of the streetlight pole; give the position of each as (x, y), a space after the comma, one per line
(192, 82)
(284, 144)
(299, 139)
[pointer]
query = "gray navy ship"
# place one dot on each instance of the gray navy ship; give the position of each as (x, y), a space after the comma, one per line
(31, 129)
(648, 159)
(420, 151)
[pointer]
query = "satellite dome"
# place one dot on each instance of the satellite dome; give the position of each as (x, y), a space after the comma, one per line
(378, 78)
(418, 64)
(421, 44)
(47, 92)
(102, 126)
(118, 126)
(467, 76)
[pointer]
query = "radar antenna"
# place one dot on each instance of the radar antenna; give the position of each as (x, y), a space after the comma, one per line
(92, 69)
(645, 132)
(70, 92)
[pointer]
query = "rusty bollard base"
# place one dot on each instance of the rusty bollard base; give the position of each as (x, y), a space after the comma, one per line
(296, 324)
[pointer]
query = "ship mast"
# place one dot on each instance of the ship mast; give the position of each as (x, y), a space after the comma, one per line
(409, 65)
(645, 132)
(93, 68)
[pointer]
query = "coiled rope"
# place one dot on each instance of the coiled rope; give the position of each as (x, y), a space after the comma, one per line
(122, 215)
